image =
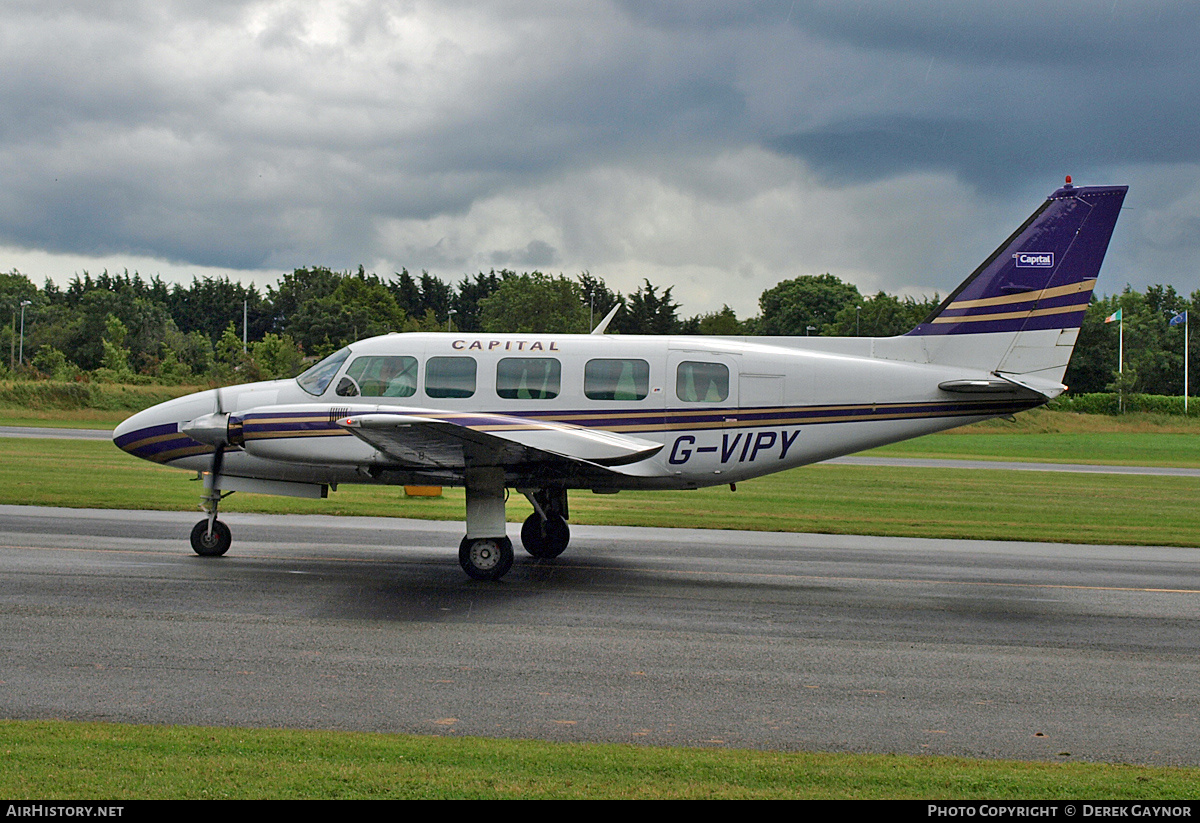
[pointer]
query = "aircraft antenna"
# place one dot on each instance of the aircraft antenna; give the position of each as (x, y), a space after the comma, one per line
(603, 324)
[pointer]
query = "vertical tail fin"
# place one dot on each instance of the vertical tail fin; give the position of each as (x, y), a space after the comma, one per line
(1019, 313)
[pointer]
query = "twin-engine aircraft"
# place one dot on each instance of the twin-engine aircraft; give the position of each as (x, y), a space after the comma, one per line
(544, 413)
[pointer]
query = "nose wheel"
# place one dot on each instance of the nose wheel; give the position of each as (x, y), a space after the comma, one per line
(485, 558)
(211, 543)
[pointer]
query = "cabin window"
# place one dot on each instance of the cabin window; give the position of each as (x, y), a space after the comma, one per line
(702, 382)
(616, 379)
(317, 379)
(528, 378)
(394, 376)
(450, 377)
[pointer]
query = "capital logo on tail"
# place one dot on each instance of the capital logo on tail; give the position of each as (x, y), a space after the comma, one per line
(1034, 259)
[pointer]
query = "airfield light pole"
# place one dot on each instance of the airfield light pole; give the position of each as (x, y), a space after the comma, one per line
(243, 326)
(450, 316)
(858, 321)
(21, 351)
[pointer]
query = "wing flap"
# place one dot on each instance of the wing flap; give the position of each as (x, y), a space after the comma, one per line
(420, 440)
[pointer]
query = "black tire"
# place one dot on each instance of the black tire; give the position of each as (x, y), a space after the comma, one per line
(214, 546)
(545, 539)
(485, 558)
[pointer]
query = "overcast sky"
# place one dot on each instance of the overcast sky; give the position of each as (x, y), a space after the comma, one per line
(717, 147)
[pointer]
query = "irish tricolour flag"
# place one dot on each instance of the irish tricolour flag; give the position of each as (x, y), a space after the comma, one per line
(1114, 317)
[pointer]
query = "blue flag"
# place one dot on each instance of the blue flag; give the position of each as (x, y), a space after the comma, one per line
(1179, 318)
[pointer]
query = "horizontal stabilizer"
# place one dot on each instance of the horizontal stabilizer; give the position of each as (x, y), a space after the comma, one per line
(983, 386)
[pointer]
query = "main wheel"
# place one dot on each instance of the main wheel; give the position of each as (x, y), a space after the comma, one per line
(485, 558)
(545, 539)
(213, 545)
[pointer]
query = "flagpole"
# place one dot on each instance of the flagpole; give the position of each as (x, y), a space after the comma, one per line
(1120, 318)
(1182, 317)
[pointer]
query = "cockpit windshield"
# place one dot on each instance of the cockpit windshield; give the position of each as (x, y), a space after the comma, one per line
(317, 379)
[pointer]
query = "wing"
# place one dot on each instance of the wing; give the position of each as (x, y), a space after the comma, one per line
(455, 441)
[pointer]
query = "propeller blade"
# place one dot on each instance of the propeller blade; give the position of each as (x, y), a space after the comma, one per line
(219, 454)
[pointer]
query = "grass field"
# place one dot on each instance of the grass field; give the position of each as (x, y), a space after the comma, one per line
(114, 762)
(82, 761)
(908, 502)
(48, 760)
(1109, 448)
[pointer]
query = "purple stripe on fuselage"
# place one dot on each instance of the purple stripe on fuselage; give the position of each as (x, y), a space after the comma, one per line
(141, 434)
(673, 419)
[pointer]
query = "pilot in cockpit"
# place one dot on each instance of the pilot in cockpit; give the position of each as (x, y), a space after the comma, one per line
(398, 376)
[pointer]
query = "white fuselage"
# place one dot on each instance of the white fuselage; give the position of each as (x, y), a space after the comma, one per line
(724, 409)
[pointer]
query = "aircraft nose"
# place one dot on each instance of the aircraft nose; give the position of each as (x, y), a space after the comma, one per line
(134, 433)
(129, 424)
(153, 434)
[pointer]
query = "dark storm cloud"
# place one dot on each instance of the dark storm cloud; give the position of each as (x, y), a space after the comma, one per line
(599, 135)
(236, 130)
(1082, 32)
(1007, 89)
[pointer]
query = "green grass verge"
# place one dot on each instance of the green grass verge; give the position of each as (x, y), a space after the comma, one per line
(78, 405)
(1108, 448)
(907, 502)
(53, 760)
(63, 419)
(48, 395)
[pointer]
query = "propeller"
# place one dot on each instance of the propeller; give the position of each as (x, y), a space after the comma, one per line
(212, 430)
(219, 454)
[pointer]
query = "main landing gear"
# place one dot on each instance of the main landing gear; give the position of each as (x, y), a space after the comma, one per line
(486, 553)
(545, 533)
(485, 558)
(545, 537)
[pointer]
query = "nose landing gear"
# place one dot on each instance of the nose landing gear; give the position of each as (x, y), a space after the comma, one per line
(211, 537)
(211, 542)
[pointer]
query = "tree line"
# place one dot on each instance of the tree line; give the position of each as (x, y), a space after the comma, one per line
(125, 328)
